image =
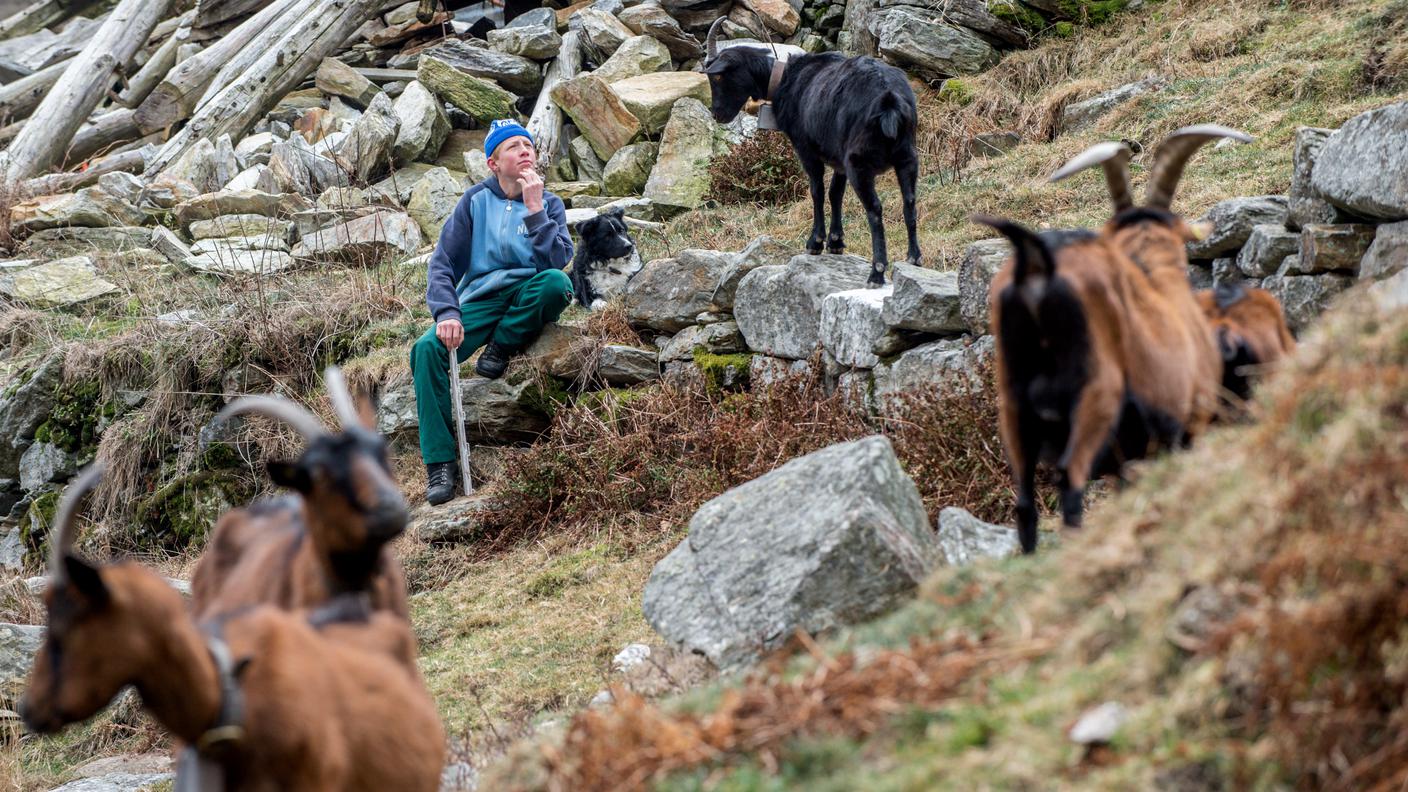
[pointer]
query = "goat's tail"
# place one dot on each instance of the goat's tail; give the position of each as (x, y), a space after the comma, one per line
(896, 115)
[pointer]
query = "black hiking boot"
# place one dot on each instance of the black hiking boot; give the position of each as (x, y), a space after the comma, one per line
(493, 360)
(440, 482)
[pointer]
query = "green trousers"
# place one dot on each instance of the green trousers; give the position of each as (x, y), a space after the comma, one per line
(513, 317)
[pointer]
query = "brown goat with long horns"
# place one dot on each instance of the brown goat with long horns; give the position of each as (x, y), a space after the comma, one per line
(262, 699)
(330, 538)
(1103, 354)
(1251, 332)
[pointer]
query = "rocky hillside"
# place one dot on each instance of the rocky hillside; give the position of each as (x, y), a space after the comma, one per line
(1232, 620)
(165, 270)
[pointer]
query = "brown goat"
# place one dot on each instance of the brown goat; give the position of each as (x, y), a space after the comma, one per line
(265, 700)
(1103, 354)
(329, 539)
(1251, 332)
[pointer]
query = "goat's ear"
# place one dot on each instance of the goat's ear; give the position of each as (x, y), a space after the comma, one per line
(288, 474)
(1033, 257)
(85, 580)
(366, 411)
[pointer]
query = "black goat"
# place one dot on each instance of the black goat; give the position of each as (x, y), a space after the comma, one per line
(855, 114)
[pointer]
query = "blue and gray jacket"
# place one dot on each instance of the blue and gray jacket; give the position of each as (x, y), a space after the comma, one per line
(492, 241)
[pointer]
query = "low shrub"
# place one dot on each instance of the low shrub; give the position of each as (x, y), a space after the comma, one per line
(761, 170)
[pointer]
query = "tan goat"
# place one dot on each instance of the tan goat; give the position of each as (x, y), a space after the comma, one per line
(263, 699)
(330, 538)
(1251, 332)
(1103, 354)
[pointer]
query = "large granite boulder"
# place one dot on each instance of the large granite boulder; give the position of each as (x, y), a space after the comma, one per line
(828, 539)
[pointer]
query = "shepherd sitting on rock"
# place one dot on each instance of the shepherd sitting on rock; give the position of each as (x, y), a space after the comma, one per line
(495, 276)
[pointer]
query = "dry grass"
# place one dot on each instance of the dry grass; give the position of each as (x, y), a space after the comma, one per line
(632, 743)
(32, 764)
(530, 631)
(276, 335)
(1264, 66)
(627, 465)
(1294, 674)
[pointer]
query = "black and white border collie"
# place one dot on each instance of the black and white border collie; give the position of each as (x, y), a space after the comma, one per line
(606, 259)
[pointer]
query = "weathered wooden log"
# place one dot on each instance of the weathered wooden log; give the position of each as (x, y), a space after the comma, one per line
(19, 98)
(155, 69)
(50, 184)
(175, 97)
(545, 124)
(82, 86)
(106, 132)
(40, 14)
(311, 35)
(212, 12)
(381, 76)
(244, 60)
(10, 132)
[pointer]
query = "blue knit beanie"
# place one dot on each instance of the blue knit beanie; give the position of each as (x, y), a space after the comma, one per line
(502, 130)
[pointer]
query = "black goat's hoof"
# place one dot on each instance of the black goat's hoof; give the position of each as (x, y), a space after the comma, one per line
(836, 250)
(875, 281)
(813, 251)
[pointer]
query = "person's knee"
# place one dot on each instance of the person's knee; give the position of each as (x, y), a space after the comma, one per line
(556, 288)
(427, 344)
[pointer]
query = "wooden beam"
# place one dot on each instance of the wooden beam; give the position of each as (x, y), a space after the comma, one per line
(106, 132)
(387, 75)
(85, 83)
(124, 162)
(155, 69)
(545, 124)
(175, 97)
(19, 98)
(311, 35)
(211, 12)
(40, 14)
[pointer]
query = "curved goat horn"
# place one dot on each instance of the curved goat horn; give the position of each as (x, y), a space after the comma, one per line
(61, 536)
(1173, 154)
(711, 42)
(341, 397)
(1114, 158)
(278, 408)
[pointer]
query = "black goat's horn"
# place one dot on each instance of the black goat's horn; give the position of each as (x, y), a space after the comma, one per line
(278, 408)
(341, 397)
(711, 42)
(61, 535)
(1173, 154)
(1114, 158)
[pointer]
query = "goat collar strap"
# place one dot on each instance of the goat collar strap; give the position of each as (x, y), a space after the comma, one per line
(228, 726)
(199, 768)
(775, 79)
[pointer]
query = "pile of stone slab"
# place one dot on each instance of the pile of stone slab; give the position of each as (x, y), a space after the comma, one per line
(1344, 221)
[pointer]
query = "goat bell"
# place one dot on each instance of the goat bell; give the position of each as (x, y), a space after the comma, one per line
(766, 119)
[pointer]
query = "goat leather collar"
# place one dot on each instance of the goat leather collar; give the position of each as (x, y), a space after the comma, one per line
(199, 767)
(775, 79)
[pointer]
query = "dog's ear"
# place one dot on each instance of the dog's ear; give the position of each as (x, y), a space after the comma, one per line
(616, 212)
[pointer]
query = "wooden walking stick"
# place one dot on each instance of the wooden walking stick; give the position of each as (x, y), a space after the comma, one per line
(459, 422)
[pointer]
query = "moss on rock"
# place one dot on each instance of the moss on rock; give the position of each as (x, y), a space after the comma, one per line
(722, 372)
(1017, 14)
(73, 423)
(1092, 11)
(956, 91)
